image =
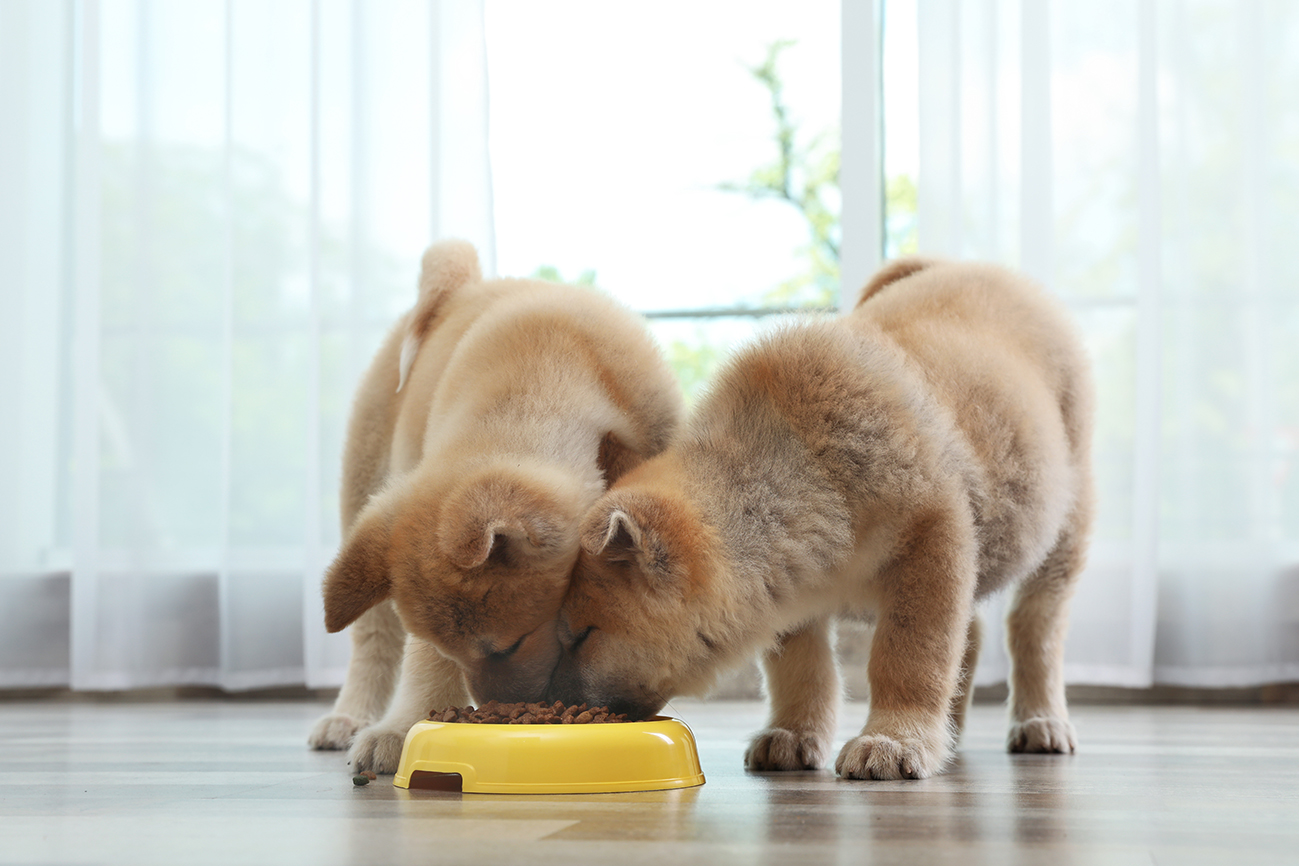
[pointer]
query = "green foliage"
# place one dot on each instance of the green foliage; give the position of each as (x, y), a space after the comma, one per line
(551, 274)
(901, 204)
(804, 175)
(694, 363)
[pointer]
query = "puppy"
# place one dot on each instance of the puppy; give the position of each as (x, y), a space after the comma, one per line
(489, 422)
(893, 465)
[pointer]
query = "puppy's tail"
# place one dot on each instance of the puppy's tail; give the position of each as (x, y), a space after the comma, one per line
(892, 272)
(447, 266)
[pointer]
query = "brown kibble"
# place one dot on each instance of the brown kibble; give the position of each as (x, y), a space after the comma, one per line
(533, 713)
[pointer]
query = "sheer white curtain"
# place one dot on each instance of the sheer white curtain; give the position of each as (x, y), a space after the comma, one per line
(1142, 158)
(210, 213)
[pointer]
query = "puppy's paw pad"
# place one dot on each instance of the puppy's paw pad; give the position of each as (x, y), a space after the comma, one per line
(334, 731)
(377, 749)
(782, 749)
(1042, 734)
(878, 757)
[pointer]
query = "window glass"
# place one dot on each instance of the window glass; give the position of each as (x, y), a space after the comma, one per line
(638, 148)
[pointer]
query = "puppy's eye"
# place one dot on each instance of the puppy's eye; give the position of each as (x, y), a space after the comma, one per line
(580, 638)
(502, 655)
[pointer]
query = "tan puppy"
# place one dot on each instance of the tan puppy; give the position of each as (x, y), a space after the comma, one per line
(894, 465)
(489, 422)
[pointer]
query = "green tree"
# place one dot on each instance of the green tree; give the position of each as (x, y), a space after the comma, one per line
(804, 175)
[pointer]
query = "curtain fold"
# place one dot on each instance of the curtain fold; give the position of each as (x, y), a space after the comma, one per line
(1140, 159)
(213, 212)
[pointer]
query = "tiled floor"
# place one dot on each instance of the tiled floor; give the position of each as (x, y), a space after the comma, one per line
(233, 783)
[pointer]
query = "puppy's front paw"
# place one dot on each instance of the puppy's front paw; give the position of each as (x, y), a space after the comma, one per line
(781, 749)
(879, 757)
(334, 731)
(1042, 734)
(377, 749)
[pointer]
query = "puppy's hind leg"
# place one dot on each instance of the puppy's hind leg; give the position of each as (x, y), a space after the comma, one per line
(803, 690)
(429, 681)
(378, 640)
(1035, 634)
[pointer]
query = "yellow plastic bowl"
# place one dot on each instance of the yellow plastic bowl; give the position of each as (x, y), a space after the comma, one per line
(550, 759)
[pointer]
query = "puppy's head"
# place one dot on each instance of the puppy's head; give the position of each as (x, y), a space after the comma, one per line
(479, 572)
(645, 618)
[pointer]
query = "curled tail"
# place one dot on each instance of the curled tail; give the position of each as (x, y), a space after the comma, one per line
(891, 272)
(447, 266)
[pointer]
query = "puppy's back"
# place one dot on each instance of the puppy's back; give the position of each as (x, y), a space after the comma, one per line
(563, 350)
(1002, 356)
(805, 431)
(966, 323)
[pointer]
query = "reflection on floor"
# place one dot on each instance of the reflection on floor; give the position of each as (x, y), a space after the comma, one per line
(233, 782)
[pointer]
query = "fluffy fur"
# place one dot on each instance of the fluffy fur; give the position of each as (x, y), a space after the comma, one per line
(491, 419)
(893, 465)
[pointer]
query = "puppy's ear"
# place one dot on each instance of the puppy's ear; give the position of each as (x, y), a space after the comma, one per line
(612, 533)
(469, 542)
(358, 579)
(509, 521)
(623, 527)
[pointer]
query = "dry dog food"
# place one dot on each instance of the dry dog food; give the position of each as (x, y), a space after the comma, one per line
(496, 713)
(364, 778)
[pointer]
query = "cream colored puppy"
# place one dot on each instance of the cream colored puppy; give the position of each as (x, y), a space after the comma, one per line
(894, 465)
(491, 419)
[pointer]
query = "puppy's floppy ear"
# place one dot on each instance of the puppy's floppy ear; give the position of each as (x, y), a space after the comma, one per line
(470, 541)
(358, 579)
(508, 519)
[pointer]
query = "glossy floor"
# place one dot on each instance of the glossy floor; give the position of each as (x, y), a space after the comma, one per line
(233, 782)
